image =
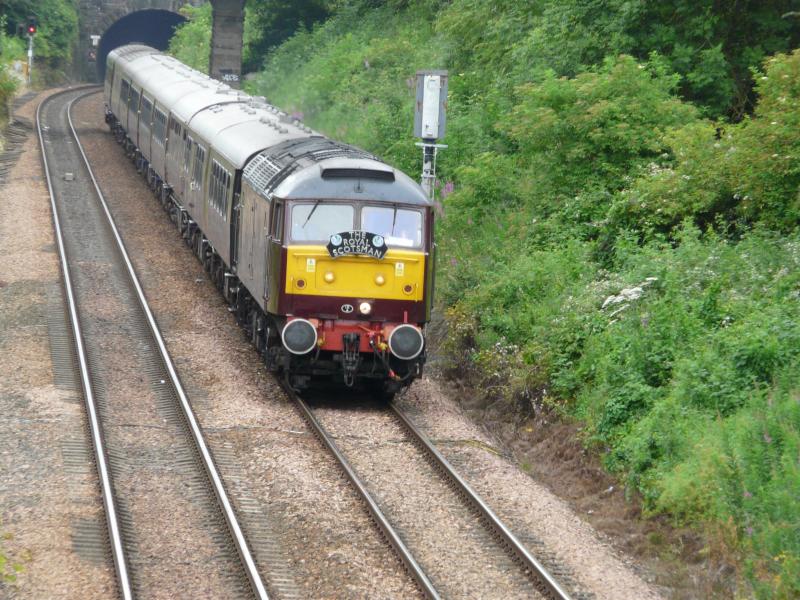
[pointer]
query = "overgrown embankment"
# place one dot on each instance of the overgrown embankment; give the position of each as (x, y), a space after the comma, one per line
(56, 23)
(618, 229)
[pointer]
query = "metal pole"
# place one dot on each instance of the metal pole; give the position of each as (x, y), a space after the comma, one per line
(428, 167)
(30, 56)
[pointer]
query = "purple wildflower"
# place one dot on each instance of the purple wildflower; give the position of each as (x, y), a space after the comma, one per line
(747, 494)
(448, 189)
(767, 438)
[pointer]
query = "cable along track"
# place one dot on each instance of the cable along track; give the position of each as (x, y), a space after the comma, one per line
(171, 525)
(426, 558)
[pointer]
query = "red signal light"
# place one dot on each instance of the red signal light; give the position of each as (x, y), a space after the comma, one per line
(31, 29)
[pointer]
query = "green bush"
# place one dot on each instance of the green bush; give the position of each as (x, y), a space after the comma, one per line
(191, 43)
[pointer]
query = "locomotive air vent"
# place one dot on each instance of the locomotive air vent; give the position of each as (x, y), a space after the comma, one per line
(356, 173)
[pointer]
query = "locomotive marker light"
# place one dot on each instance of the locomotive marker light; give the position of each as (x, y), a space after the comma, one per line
(429, 121)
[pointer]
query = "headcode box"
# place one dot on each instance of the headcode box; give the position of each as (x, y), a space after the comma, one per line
(429, 115)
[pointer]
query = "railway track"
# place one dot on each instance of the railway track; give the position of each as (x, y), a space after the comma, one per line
(490, 554)
(172, 528)
(506, 562)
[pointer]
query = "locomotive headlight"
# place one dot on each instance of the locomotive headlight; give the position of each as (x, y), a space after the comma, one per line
(329, 277)
(379, 279)
(365, 308)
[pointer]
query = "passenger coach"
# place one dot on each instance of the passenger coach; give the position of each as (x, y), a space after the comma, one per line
(324, 252)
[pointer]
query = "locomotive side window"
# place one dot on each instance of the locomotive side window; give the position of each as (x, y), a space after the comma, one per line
(277, 222)
(317, 221)
(123, 91)
(398, 226)
(159, 127)
(199, 163)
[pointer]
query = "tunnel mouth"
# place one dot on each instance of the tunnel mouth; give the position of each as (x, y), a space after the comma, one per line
(152, 27)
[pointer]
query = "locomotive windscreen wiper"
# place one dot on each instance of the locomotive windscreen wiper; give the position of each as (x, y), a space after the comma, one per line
(308, 218)
(394, 219)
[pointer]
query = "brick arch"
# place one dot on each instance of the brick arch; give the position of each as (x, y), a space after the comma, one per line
(114, 11)
(150, 26)
(96, 17)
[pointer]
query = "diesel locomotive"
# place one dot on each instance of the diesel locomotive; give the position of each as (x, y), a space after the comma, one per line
(324, 252)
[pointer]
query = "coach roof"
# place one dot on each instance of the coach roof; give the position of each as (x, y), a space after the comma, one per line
(240, 130)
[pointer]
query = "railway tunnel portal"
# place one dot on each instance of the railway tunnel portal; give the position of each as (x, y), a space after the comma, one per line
(108, 24)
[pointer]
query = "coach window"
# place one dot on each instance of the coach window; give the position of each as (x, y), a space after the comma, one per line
(220, 181)
(159, 127)
(199, 163)
(134, 100)
(317, 221)
(187, 154)
(175, 136)
(123, 91)
(147, 110)
(398, 226)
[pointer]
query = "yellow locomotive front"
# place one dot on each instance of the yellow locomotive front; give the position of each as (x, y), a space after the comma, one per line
(354, 291)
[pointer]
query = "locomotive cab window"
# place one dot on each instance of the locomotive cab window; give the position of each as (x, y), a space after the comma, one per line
(277, 222)
(317, 221)
(399, 226)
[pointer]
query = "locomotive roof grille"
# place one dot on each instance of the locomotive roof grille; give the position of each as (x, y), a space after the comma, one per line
(356, 173)
(260, 171)
(269, 168)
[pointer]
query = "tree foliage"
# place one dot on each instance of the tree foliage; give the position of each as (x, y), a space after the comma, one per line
(57, 22)
(271, 22)
(191, 43)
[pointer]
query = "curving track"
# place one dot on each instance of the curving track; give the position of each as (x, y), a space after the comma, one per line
(172, 529)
